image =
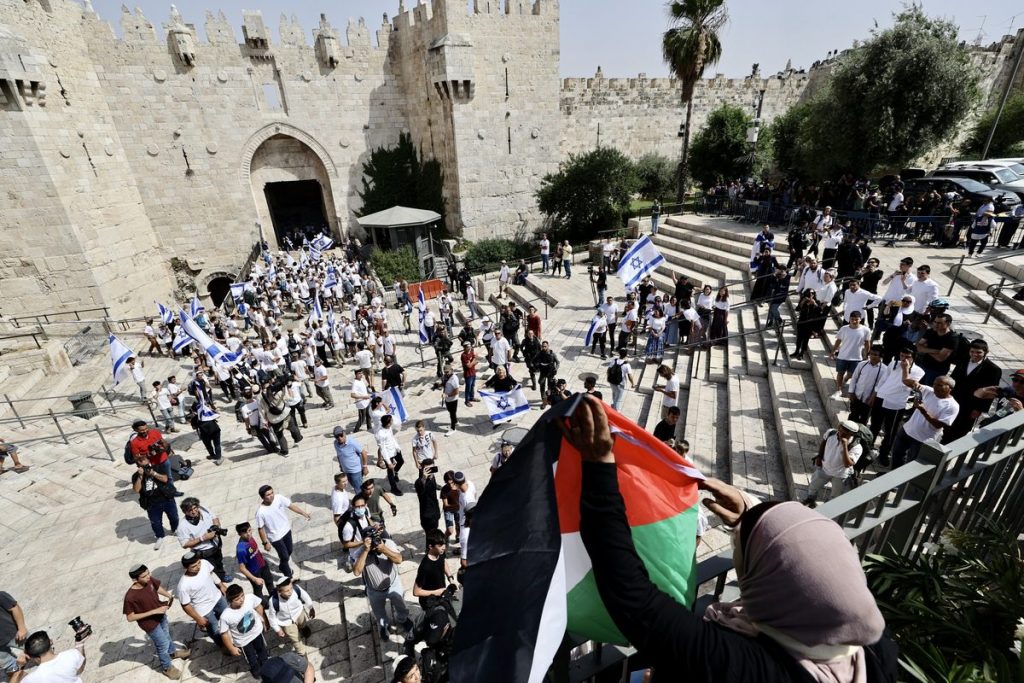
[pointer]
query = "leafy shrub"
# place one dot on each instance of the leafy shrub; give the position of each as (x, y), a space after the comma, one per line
(657, 176)
(488, 254)
(395, 265)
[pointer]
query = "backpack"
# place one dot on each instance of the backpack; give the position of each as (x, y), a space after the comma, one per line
(615, 373)
(128, 458)
(276, 599)
(866, 439)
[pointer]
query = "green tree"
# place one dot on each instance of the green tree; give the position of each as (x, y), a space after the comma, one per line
(657, 176)
(590, 192)
(892, 99)
(398, 176)
(720, 150)
(690, 46)
(785, 131)
(1008, 140)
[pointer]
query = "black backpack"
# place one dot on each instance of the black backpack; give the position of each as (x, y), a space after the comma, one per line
(129, 459)
(615, 373)
(276, 599)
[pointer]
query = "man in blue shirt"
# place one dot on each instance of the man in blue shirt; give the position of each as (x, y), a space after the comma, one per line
(352, 458)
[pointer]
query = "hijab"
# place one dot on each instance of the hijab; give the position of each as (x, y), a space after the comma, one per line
(801, 584)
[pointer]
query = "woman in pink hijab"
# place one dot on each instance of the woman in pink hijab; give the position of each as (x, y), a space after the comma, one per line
(805, 613)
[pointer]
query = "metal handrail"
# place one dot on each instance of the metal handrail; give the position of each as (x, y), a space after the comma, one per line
(978, 262)
(35, 336)
(994, 291)
(17, 320)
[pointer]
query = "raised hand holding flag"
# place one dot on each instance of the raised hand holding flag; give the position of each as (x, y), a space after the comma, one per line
(119, 355)
(642, 258)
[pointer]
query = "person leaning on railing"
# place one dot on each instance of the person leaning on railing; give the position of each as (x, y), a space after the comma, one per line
(805, 611)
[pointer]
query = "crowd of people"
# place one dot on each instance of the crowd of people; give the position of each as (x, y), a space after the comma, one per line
(300, 326)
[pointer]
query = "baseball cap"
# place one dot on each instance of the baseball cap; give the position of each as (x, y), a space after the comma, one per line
(434, 627)
(1018, 374)
(338, 431)
(849, 425)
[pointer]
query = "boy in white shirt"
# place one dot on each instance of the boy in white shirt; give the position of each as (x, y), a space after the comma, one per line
(853, 342)
(289, 608)
(241, 628)
(387, 446)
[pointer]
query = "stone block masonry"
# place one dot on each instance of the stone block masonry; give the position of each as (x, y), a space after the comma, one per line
(119, 154)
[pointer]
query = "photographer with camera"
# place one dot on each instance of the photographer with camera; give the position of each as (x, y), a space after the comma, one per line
(156, 497)
(200, 531)
(378, 566)
(142, 604)
(66, 667)
(151, 444)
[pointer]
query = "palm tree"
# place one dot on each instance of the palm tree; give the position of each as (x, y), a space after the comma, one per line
(690, 46)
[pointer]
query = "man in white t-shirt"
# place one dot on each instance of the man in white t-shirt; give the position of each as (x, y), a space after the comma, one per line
(619, 388)
(51, 667)
(499, 350)
(467, 494)
(340, 500)
(201, 594)
(670, 389)
(503, 277)
(545, 253)
(274, 526)
(361, 395)
(890, 400)
(611, 314)
(837, 455)
(162, 398)
(322, 383)
(241, 628)
(924, 289)
(933, 411)
(853, 342)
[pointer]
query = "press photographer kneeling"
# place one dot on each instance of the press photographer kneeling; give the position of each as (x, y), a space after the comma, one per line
(200, 531)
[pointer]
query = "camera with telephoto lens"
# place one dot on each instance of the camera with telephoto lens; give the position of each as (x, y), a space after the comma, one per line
(82, 630)
(218, 530)
(376, 534)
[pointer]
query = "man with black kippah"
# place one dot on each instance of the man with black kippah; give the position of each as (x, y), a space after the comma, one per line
(142, 604)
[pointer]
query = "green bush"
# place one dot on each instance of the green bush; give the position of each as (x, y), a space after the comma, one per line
(488, 254)
(395, 265)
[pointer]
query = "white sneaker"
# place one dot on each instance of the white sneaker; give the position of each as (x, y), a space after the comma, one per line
(159, 543)
(837, 396)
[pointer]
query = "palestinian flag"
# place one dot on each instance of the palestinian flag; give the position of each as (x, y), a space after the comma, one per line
(530, 581)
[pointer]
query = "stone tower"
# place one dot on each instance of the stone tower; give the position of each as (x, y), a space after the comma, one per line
(482, 91)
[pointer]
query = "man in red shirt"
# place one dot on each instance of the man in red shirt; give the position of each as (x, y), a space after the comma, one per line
(151, 443)
(468, 359)
(142, 604)
(533, 321)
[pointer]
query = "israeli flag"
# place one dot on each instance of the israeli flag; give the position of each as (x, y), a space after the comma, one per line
(119, 355)
(195, 308)
(589, 340)
(642, 258)
(166, 315)
(210, 347)
(181, 341)
(237, 292)
(314, 253)
(317, 313)
(502, 406)
(303, 259)
(421, 302)
(323, 242)
(331, 322)
(205, 410)
(331, 280)
(393, 399)
(291, 262)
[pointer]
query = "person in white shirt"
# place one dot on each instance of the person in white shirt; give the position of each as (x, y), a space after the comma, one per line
(810, 276)
(361, 395)
(599, 330)
(274, 526)
(66, 667)
(467, 495)
(868, 376)
(932, 412)
(300, 371)
(201, 594)
(670, 389)
(450, 390)
(925, 290)
(545, 253)
(890, 400)
(241, 628)
(390, 453)
(898, 283)
(499, 350)
(135, 366)
(837, 455)
(611, 315)
(322, 384)
(291, 608)
(474, 310)
(857, 299)
(619, 388)
(896, 202)
(162, 398)
(851, 347)
(340, 500)
(503, 278)
(424, 445)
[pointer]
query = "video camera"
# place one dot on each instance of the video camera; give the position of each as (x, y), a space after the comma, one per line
(82, 630)
(376, 535)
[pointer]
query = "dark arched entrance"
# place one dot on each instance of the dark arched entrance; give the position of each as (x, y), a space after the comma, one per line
(218, 289)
